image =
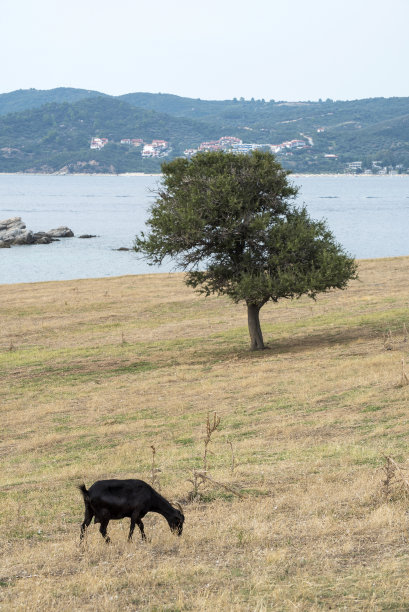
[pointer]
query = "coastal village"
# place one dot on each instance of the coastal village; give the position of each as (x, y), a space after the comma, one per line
(160, 148)
(356, 137)
(235, 145)
(157, 148)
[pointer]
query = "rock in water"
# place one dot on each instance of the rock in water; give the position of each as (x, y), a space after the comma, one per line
(13, 231)
(12, 223)
(61, 232)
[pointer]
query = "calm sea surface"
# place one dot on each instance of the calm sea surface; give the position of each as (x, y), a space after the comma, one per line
(368, 215)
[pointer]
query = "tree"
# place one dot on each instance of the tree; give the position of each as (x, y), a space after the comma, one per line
(229, 221)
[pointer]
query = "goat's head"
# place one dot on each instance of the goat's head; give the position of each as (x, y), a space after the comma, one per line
(177, 520)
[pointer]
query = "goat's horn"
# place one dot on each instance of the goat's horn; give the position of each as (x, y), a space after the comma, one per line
(178, 506)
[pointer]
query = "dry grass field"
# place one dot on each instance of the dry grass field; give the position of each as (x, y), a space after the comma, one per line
(94, 372)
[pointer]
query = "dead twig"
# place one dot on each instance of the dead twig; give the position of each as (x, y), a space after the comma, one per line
(200, 477)
(223, 486)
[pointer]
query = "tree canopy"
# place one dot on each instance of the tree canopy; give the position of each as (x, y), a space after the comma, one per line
(230, 222)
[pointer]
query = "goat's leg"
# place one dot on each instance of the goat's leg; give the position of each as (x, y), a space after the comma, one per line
(103, 530)
(140, 525)
(135, 520)
(87, 519)
(131, 528)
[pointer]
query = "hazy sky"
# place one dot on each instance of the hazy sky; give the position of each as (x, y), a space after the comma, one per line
(212, 49)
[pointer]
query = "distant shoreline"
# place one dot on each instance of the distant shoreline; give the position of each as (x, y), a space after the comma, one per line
(292, 174)
(80, 174)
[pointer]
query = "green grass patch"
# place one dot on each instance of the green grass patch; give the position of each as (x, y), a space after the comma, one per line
(372, 408)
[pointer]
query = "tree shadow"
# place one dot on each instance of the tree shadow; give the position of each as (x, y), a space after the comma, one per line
(326, 339)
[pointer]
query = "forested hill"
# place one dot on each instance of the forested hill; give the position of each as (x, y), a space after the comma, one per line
(55, 136)
(23, 99)
(50, 130)
(261, 113)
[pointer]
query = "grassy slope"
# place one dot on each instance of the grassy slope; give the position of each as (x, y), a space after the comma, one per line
(95, 371)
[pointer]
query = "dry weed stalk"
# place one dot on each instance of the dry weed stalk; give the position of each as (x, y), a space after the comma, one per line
(201, 477)
(210, 429)
(395, 480)
(389, 469)
(388, 341)
(404, 380)
(196, 481)
(233, 457)
(12, 347)
(154, 470)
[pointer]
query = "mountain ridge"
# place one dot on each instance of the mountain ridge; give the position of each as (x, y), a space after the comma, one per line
(51, 129)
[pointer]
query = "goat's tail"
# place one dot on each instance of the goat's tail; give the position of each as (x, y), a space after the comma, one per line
(84, 492)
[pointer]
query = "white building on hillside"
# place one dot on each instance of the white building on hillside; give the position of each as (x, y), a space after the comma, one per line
(98, 143)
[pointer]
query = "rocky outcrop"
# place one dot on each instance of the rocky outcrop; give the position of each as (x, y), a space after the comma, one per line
(60, 232)
(13, 231)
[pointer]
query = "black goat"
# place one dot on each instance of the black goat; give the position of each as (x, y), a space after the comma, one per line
(108, 500)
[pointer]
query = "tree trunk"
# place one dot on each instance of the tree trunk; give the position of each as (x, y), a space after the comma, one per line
(256, 337)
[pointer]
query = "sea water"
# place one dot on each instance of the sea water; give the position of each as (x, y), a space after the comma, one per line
(369, 216)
